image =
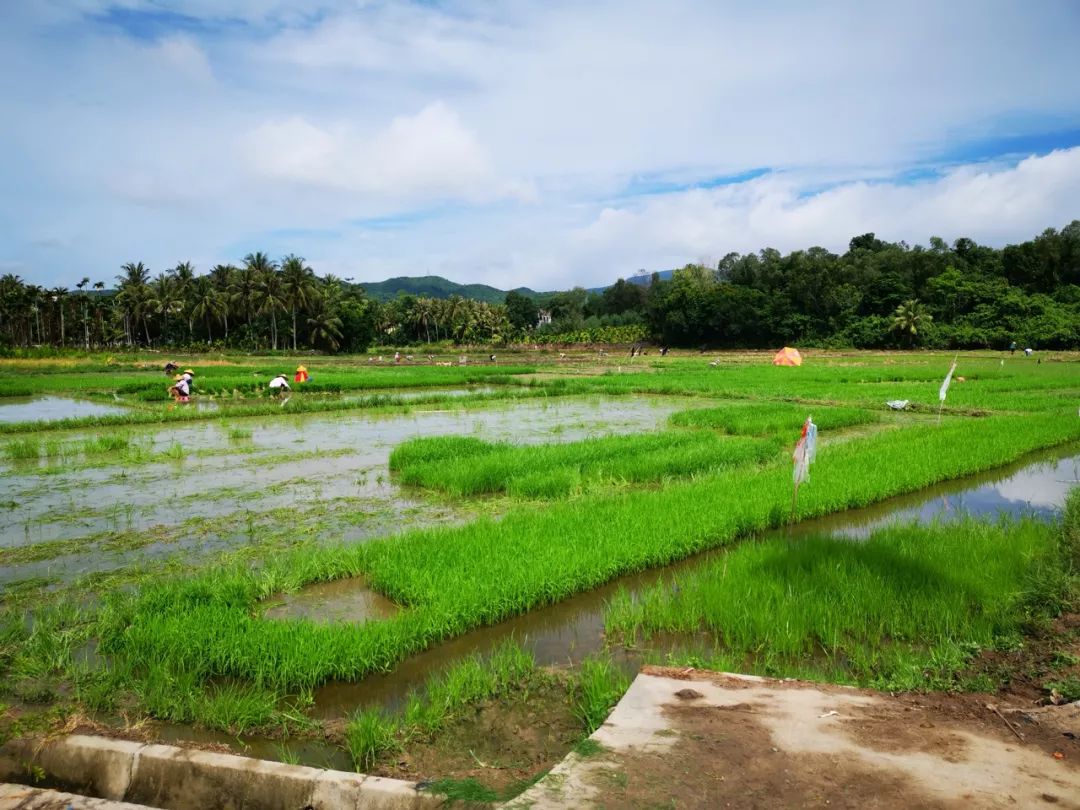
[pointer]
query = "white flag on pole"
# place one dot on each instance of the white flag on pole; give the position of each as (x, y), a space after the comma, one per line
(948, 379)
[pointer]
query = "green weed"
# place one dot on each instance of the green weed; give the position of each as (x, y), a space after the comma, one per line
(597, 688)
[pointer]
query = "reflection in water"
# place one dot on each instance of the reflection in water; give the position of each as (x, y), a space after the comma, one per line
(47, 409)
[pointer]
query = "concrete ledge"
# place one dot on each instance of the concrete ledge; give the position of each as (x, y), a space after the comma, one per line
(166, 776)
(21, 797)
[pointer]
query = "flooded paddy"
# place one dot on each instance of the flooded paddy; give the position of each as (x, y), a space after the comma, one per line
(208, 486)
(51, 408)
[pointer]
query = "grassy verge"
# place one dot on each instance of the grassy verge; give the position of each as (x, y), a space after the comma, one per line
(455, 579)
(461, 465)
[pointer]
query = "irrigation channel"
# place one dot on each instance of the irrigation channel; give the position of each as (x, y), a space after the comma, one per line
(571, 630)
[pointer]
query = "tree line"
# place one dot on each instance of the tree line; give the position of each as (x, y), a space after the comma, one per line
(261, 304)
(877, 294)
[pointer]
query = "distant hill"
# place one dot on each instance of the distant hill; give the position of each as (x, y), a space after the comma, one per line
(437, 287)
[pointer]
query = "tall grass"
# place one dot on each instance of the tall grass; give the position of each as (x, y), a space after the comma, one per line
(468, 466)
(458, 578)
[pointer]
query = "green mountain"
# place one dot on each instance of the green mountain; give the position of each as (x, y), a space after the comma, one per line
(436, 287)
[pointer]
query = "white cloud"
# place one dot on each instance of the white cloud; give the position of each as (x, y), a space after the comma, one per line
(427, 155)
(988, 203)
(518, 125)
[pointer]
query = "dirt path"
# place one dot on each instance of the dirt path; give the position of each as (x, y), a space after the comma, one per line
(701, 739)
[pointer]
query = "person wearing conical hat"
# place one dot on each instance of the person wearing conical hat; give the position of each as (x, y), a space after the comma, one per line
(279, 385)
(301, 375)
(181, 389)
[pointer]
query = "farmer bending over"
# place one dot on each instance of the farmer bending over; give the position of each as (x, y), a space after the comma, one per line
(279, 384)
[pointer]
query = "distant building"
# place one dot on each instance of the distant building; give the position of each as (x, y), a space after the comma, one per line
(543, 317)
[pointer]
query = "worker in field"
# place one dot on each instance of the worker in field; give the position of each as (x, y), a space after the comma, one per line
(171, 368)
(302, 375)
(181, 389)
(279, 385)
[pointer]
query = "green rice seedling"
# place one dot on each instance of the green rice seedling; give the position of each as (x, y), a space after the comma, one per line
(902, 607)
(105, 443)
(457, 578)
(469, 466)
(235, 708)
(368, 735)
(597, 688)
(238, 433)
(24, 449)
(770, 418)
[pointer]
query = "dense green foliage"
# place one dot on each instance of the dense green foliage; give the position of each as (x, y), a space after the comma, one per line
(880, 294)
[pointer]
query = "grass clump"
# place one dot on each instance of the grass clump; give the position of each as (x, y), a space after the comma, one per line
(237, 432)
(903, 610)
(24, 449)
(370, 734)
(597, 689)
(770, 418)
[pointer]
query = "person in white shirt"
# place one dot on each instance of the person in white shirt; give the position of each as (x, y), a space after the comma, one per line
(279, 384)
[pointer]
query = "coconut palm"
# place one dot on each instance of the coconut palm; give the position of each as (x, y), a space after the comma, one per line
(271, 299)
(910, 318)
(324, 326)
(166, 299)
(208, 304)
(223, 278)
(299, 287)
(133, 297)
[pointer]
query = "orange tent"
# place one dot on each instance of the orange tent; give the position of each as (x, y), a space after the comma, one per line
(787, 356)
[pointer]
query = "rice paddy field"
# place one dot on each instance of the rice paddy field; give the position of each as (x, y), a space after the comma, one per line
(359, 573)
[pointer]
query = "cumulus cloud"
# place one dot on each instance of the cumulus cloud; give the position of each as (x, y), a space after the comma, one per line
(430, 154)
(989, 203)
(515, 143)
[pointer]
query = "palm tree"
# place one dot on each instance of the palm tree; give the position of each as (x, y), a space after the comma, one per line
(133, 297)
(909, 318)
(248, 281)
(223, 277)
(299, 286)
(85, 315)
(166, 299)
(184, 273)
(325, 328)
(59, 295)
(271, 298)
(209, 304)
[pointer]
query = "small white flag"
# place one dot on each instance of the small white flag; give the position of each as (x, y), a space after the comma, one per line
(945, 385)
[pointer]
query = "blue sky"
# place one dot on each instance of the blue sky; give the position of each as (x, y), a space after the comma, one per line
(524, 143)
